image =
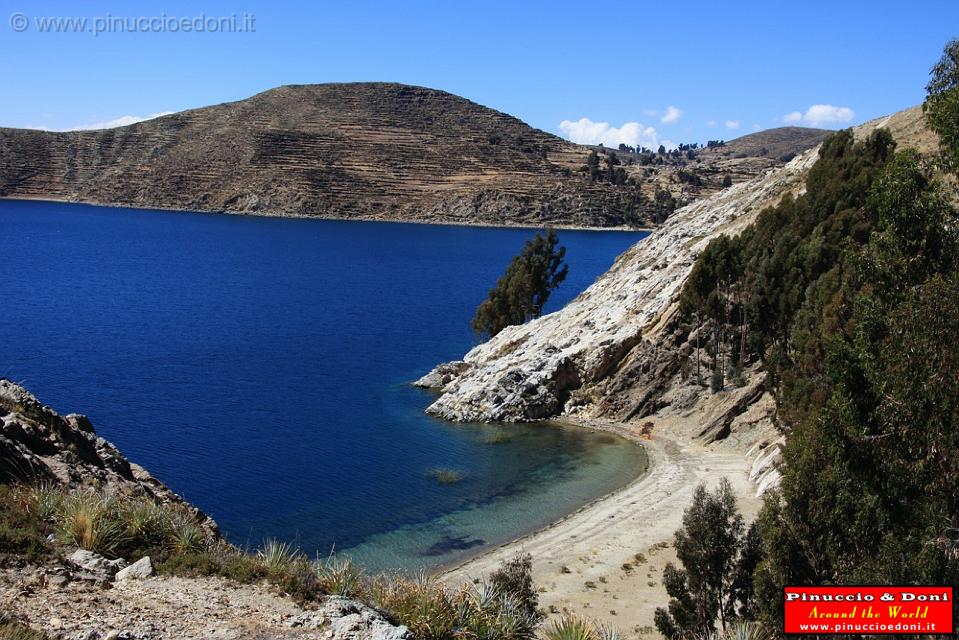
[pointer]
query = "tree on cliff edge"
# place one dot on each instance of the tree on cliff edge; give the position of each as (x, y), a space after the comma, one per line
(521, 293)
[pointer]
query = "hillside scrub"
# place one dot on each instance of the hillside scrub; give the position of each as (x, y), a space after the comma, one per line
(849, 296)
(42, 522)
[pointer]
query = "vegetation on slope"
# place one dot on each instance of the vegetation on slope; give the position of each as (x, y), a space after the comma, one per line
(849, 295)
(41, 523)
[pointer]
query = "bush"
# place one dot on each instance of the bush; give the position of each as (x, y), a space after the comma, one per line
(21, 531)
(515, 577)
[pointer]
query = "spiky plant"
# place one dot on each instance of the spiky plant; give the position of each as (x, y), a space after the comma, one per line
(90, 521)
(605, 631)
(570, 627)
(419, 602)
(145, 520)
(747, 631)
(277, 556)
(45, 500)
(184, 535)
(339, 576)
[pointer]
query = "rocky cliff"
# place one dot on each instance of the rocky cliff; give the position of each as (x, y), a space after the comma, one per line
(81, 595)
(362, 151)
(618, 351)
(612, 349)
(39, 445)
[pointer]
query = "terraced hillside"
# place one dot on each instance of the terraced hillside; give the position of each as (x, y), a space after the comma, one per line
(364, 151)
(337, 150)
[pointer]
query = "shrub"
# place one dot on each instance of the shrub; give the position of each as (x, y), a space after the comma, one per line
(21, 531)
(515, 577)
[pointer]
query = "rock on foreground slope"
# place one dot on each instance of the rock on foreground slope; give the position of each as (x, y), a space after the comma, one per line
(77, 596)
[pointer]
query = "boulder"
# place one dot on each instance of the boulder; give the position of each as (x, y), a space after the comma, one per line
(139, 570)
(95, 565)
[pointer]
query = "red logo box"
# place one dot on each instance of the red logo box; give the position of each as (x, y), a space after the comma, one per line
(868, 610)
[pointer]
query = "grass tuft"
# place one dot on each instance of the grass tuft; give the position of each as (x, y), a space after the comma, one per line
(90, 521)
(277, 556)
(571, 627)
(340, 576)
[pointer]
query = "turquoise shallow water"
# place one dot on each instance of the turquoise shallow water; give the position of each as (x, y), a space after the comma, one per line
(260, 367)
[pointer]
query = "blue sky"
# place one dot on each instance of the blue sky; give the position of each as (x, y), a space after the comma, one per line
(725, 67)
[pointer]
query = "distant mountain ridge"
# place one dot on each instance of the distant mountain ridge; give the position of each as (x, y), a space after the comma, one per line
(356, 150)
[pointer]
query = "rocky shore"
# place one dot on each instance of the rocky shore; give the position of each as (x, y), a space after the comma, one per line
(78, 594)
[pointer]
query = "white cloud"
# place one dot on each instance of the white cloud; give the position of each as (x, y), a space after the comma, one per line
(652, 113)
(671, 115)
(821, 115)
(732, 124)
(711, 123)
(634, 134)
(122, 121)
(755, 127)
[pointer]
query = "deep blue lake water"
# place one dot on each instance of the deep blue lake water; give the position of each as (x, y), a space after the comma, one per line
(260, 367)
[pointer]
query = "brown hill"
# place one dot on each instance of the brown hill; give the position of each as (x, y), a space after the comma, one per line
(334, 150)
(362, 151)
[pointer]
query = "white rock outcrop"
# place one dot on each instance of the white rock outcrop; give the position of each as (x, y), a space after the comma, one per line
(528, 372)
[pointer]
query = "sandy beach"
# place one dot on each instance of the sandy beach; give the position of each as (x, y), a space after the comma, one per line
(605, 560)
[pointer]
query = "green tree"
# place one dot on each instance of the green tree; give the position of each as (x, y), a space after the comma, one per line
(942, 103)
(592, 166)
(521, 293)
(708, 546)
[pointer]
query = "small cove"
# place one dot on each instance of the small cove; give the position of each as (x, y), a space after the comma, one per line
(260, 367)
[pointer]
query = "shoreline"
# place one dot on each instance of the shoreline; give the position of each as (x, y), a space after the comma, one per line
(303, 216)
(605, 560)
(442, 571)
(452, 567)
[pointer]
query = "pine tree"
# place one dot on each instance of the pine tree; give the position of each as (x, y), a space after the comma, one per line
(521, 293)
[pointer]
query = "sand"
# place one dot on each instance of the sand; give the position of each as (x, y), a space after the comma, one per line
(606, 560)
